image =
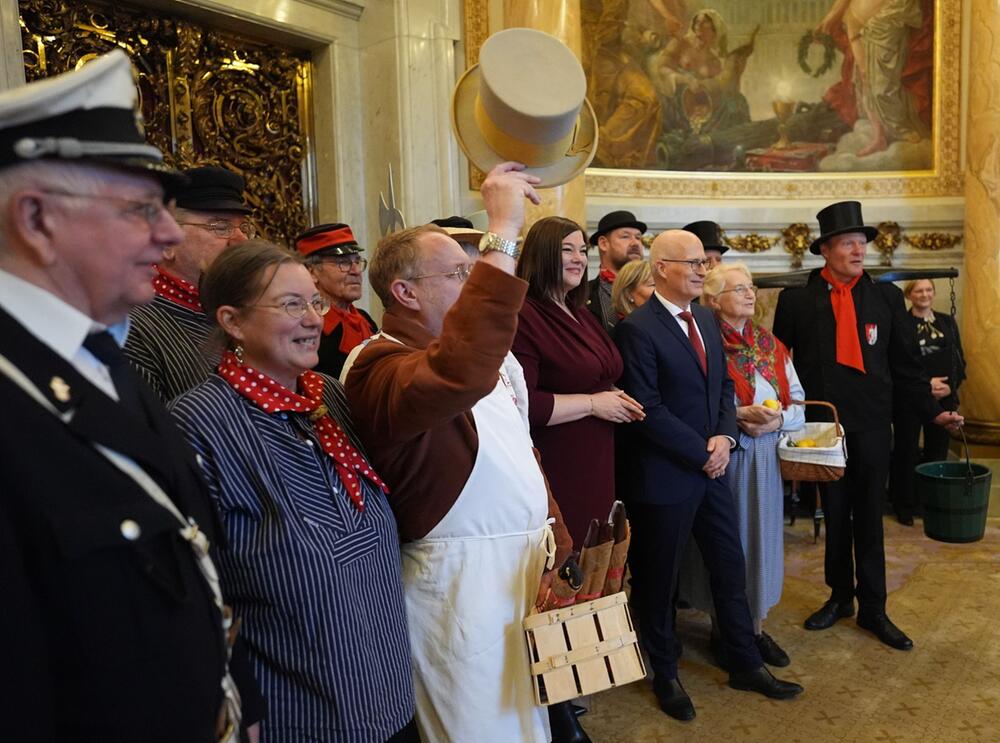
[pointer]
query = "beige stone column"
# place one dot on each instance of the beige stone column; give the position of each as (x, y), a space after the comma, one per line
(980, 317)
(561, 18)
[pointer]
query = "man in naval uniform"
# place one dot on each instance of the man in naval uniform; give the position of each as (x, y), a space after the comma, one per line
(169, 338)
(111, 628)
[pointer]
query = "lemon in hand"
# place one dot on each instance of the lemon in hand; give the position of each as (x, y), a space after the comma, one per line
(772, 404)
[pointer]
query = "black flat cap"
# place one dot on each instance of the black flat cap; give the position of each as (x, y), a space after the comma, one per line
(212, 189)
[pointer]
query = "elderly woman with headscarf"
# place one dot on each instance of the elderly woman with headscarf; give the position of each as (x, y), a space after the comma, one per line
(765, 383)
(311, 564)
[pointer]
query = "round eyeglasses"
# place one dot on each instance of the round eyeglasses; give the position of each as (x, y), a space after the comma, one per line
(297, 308)
(225, 230)
(461, 273)
(745, 289)
(346, 263)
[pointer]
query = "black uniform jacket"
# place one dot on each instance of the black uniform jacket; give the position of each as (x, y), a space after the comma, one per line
(804, 322)
(103, 637)
(331, 358)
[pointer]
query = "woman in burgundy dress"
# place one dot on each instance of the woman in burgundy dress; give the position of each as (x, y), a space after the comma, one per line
(570, 367)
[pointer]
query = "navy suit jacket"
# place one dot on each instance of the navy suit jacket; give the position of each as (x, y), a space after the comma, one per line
(664, 453)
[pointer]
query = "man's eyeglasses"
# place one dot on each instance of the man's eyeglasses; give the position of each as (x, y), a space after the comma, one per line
(297, 308)
(694, 263)
(346, 263)
(225, 230)
(149, 211)
(461, 273)
(745, 289)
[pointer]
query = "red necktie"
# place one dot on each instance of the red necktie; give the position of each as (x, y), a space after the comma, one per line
(699, 349)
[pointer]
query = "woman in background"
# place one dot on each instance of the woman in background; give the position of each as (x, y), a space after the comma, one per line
(632, 288)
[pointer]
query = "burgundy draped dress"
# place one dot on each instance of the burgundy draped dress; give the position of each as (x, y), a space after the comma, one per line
(563, 356)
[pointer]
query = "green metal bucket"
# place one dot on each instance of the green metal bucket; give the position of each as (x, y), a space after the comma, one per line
(956, 497)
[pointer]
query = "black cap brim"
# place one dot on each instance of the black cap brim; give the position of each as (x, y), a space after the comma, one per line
(637, 225)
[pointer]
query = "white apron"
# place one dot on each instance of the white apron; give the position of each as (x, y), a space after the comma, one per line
(471, 582)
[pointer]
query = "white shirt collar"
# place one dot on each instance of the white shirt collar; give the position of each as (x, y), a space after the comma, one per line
(57, 324)
(672, 308)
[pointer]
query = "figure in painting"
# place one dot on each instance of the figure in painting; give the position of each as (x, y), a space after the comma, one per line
(879, 33)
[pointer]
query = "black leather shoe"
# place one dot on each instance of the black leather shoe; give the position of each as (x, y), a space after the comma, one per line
(828, 614)
(673, 699)
(762, 682)
(565, 727)
(882, 627)
(770, 651)
(906, 519)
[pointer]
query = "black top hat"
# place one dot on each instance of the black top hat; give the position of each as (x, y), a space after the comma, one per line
(212, 189)
(454, 222)
(839, 219)
(330, 239)
(613, 221)
(709, 234)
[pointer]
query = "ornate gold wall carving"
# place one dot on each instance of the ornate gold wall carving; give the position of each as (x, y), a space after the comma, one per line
(207, 96)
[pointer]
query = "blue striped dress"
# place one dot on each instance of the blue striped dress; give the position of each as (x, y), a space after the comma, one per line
(316, 583)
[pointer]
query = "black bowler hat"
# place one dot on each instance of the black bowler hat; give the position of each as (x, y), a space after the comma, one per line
(709, 234)
(614, 221)
(89, 115)
(212, 189)
(330, 239)
(839, 219)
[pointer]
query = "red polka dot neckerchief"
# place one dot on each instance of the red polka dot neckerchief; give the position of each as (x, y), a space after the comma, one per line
(176, 290)
(272, 397)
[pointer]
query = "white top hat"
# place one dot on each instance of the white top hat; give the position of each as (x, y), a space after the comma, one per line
(526, 101)
(87, 115)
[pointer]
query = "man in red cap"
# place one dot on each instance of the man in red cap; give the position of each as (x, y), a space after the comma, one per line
(168, 340)
(334, 259)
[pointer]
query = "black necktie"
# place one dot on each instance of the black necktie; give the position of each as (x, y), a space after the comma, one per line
(127, 382)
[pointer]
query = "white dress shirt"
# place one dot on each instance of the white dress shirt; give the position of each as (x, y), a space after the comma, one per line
(674, 310)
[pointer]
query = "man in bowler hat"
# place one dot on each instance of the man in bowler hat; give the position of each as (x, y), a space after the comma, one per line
(619, 240)
(334, 258)
(168, 341)
(852, 345)
(710, 235)
(112, 621)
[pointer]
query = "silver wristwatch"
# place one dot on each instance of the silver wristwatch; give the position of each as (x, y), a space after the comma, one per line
(493, 241)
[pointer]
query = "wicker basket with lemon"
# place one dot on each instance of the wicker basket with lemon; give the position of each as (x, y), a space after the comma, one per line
(817, 453)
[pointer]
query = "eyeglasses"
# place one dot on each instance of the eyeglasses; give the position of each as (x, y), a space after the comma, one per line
(746, 289)
(226, 229)
(461, 273)
(694, 263)
(297, 308)
(345, 263)
(149, 211)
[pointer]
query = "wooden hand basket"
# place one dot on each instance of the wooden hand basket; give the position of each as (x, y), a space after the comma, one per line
(583, 649)
(815, 464)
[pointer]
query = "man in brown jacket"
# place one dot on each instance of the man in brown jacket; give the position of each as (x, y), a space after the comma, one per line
(436, 404)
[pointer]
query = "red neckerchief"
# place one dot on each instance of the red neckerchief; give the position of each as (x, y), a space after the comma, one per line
(356, 327)
(848, 343)
(608, 275)
(751, 351)
(273, 397)
(176, 290)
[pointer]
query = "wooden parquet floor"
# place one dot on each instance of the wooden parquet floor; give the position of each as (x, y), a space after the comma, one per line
(946, 597)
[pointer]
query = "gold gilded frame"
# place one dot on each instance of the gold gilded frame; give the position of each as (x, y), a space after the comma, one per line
(945, 179)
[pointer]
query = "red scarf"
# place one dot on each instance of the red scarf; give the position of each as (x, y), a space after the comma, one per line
(755, 350)
(273, 397)
(608, 275)
(176, 290)
(848, 343)
(356, 327)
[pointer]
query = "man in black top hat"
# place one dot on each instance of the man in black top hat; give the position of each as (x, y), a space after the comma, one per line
(168, 342)
(852, 344)
(111, 628)
(619, 239)
(710, 235)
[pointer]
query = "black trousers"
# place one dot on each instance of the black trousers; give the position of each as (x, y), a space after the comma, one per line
(906, 427)
(853, 510)
(659, 535)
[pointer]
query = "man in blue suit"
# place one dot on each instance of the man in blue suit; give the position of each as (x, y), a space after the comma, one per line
(676, 464)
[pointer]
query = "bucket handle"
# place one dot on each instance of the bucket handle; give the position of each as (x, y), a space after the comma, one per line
(969, 475)
(836, 418)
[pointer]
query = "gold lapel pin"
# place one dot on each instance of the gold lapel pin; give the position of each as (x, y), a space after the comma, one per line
(60, 389)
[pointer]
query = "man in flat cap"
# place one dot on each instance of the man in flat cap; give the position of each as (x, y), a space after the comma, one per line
(112, 623)
(334, 258)
(168, 340)
(619, 240)
(852, 344)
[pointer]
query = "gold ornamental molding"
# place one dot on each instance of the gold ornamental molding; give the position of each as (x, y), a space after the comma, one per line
(797, 238)
(944, 179)
(933, 241)
(750, 243)
(887, 241)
